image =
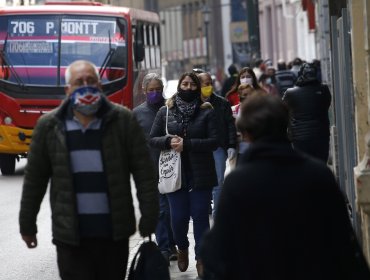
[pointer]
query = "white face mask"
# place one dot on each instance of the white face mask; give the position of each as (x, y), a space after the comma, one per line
(246, 81)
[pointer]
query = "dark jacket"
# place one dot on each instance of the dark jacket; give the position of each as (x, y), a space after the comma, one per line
(308, 106)
(200, 140)
(225, 122)
(145, 115)
(228, 84)
(282, 216)
(309, 126)
(124, 152)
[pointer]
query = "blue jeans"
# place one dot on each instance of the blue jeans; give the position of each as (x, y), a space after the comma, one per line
(220, 157)
(183, 205)
(163, 231)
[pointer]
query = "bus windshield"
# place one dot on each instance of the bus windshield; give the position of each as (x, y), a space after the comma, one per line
(36, 49)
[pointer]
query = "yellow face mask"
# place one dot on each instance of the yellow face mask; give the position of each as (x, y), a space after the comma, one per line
(207, 91)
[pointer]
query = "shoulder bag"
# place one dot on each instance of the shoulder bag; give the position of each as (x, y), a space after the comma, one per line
(169, 168)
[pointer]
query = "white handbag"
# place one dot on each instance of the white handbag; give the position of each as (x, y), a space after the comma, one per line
(169, 168)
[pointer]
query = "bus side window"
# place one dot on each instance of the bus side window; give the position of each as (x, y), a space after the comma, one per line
(146, 46)
(152, 47)
(157, 49)
(139, 44)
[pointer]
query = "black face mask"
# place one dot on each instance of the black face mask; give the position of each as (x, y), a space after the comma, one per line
(188, 95)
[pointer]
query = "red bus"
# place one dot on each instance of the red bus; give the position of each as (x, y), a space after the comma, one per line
(37, 43)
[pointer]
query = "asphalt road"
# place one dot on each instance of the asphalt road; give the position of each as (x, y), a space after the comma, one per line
(16, 260)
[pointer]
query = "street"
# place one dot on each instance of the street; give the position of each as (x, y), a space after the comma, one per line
(17, 262)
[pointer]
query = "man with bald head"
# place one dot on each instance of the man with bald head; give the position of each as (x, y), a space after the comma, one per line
(88, 148)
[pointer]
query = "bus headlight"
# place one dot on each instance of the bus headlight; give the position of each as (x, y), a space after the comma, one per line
(8, 120)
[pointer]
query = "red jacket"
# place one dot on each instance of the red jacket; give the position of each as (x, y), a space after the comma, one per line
(233, 98)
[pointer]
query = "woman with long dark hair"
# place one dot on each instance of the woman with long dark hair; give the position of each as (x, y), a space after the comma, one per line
(192, 132)
(245, 76)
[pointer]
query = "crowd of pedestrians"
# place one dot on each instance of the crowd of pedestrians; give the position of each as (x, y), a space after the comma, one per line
(278, 214)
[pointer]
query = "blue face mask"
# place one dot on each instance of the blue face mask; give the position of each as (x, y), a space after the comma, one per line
(86, 100)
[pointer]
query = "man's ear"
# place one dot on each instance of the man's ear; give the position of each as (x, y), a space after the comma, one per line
(67, 89)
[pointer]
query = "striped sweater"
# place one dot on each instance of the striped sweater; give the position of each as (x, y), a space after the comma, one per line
(89, 178)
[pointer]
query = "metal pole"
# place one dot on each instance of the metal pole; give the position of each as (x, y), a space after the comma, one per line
(253, 27)
(207, 47)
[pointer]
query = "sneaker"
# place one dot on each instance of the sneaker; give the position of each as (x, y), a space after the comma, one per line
(173, 254)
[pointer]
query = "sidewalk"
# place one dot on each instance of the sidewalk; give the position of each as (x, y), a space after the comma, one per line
(191, 273)
(136, 240)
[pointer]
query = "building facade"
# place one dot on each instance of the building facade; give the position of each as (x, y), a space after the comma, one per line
(343, 45)
(285, 32)
(191, 35)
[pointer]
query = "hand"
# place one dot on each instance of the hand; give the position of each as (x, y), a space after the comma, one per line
(231, 153)
(177, 144)
(30, 240)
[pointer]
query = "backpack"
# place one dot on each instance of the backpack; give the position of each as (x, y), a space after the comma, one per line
(149, 263)
(284, 79)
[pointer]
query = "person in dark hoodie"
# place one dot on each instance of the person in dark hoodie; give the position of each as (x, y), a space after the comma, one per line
(309, 103)
(230, 81)
(145, 115)
(281, 214)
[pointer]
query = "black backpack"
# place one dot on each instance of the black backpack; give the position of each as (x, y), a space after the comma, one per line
(284, 79)
(149, 264)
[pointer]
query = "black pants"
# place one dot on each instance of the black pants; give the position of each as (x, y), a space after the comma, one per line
(94, 259)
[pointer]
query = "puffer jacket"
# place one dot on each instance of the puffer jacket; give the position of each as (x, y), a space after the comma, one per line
(225, 121)
(199, 142)
(308, 106)
(145, 115)
(124, 152)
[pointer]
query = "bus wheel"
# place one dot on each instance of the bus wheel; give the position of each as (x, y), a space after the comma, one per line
(7, 164)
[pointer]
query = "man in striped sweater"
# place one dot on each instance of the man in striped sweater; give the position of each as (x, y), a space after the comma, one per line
(89, 148)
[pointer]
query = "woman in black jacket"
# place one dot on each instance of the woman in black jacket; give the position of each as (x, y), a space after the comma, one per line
(309, 103)
(192, 126)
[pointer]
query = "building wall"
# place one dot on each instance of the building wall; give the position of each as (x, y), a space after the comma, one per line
(284, 31)
(184, 36)
(226, 19)
(361, 84)
(360, 77)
